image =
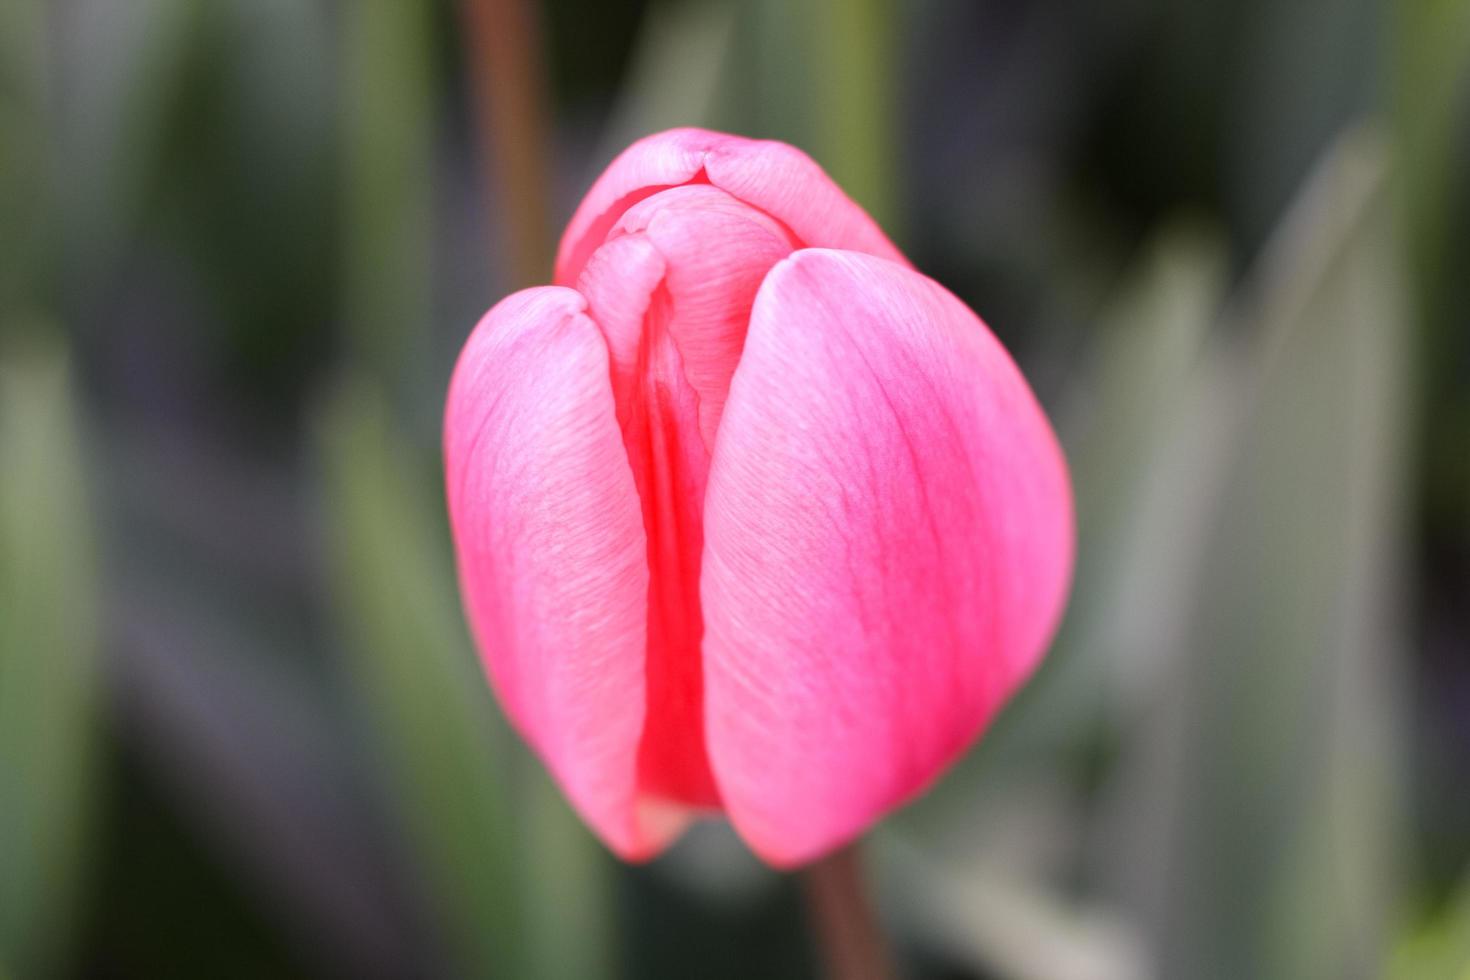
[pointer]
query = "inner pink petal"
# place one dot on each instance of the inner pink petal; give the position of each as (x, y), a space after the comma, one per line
(670, 468)
(717, 251)
(672, 288)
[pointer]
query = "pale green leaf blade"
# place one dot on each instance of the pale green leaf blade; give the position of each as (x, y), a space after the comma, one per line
(49, 676)
(407, 655)
(1255, 813)
(691, 42)
(388, 130)
(1439, 949)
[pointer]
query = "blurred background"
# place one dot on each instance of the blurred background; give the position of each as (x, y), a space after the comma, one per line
(242, 731)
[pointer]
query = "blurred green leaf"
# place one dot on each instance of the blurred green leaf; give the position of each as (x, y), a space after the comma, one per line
(25, 146)
(854, 46)
(1304, 71)
(975, 900)
(1440, 948)
(128, 66)
(1288, 680)
(387, 88)
(690, 42)
(566, 874)
(1141, 503)
(772, 81)
(48, 660)
(1431, 91)
(428, 706)
(820, 74)
(512, 881)
(1430, 98)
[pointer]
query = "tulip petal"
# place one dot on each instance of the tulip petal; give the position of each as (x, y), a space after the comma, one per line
(717, 251)
(548, 532)
(619, 282)
(774, 177)
(888, 546)
(672, 289)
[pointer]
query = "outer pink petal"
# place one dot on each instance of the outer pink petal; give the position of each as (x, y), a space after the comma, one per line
(888, 546)
(549, 536)
(777, 178)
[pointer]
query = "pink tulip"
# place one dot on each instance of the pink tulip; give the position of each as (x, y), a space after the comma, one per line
(750, 516)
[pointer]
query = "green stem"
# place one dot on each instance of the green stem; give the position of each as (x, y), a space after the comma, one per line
(843, 920)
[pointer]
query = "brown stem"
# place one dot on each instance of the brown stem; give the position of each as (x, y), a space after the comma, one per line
(503, 47)
(842, 918)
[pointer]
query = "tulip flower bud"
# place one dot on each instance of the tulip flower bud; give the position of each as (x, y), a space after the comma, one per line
(750, 516)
